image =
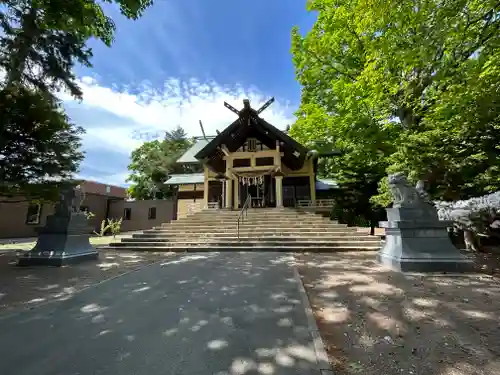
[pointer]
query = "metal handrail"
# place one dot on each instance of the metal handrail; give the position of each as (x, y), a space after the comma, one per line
(243, 212)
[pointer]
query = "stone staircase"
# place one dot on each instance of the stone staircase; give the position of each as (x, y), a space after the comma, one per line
(262, 230)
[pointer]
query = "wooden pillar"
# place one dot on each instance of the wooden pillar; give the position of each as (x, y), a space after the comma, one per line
(277, 156)
(312, 187)
(223, 198)
(229, 193)
(229, 181)
(205, 188)
(279, 191)
(236, 193)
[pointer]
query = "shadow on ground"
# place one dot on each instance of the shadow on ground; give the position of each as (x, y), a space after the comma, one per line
(213, 313)
(29, 286)
(375, 321)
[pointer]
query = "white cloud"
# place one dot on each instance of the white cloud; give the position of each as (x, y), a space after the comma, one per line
(145, 109)
(115, 179)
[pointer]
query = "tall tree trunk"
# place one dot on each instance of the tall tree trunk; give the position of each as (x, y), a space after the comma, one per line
(471, 242)
(23, 42)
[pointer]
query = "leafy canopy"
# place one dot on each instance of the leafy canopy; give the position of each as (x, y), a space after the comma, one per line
(39, 147)
(153, 162)
(40, 42)
(404, 85)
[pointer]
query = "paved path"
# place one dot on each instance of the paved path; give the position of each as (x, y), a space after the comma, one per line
(198, 314)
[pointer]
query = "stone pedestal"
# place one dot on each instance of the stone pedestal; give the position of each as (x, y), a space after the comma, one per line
(417, 241)
(63, 240)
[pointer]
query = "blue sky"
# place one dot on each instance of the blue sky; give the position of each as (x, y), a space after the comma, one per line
(177, 65)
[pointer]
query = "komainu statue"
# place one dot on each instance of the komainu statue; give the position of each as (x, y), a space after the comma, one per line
(405, 195)
(70, 200)
(416, 240)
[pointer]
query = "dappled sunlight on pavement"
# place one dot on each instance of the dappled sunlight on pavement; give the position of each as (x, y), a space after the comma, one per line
(29, 286)
(376, 321)
(215, 313)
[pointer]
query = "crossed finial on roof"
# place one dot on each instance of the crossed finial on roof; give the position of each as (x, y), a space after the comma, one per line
(246, 105)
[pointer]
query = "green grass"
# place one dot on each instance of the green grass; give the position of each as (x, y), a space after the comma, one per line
(17, 246)
(96, 241)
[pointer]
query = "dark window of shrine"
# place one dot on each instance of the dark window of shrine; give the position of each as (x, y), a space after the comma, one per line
(239, 163)
(127, 213)
(264, 161)
(152, 213)
(258, 145)
(252, 145)
(33, 214)
(84, 208)
(193, 194)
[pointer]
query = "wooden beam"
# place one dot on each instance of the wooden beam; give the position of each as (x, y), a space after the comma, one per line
(266, 104)
(231, 108)
(225, 150)
(203, 130)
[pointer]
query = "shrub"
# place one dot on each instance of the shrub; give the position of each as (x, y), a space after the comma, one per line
(475, 216)
(111, 225)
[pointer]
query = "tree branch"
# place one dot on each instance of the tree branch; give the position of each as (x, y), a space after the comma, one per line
(330, 66)
(360, 42)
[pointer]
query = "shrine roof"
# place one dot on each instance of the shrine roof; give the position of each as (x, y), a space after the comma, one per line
(189, 156)
(326, 184)
(185, 179)
(250, 124)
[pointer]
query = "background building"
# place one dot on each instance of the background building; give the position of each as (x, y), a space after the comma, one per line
(21, 219)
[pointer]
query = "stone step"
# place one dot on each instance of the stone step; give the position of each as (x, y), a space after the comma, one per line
(250, 243)
(215, 248)
(254, 213)
(261, 223)
(260, 211)
(255, 217)
(259, 238)
(295, 215)
(313, 235)
(278, 225)
(257, 230)
(252, 231)
(254, 220)
(257, 211)
(217, 226)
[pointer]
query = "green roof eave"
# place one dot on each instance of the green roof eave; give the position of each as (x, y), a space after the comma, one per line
(186, 179)
(326, 184)
(190, 155)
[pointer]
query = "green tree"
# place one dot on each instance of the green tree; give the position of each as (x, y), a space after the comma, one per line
(358, 169)
(40, 41)
(39, 147)
(153, 162)
(415, 81)
(43, 39)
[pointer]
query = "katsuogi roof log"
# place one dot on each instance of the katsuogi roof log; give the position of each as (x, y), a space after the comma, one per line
(250, 125)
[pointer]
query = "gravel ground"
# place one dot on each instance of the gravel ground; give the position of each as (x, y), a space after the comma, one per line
(378, 322)
(29, 286)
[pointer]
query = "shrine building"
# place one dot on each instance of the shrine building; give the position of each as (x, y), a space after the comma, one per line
(250, 159)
